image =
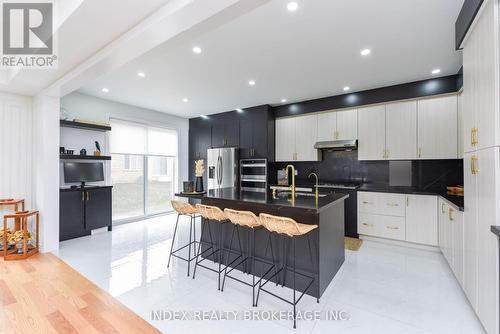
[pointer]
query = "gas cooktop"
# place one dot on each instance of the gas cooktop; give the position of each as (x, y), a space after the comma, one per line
(339, 185)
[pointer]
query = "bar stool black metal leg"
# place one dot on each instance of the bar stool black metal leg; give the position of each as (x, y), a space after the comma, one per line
(173, 240)
(203, 223)
(294, 298)
(190, 241)
(251, 243)
(285, 257)
(228, 258)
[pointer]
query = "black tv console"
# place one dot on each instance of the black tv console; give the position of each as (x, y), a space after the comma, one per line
(82, 210)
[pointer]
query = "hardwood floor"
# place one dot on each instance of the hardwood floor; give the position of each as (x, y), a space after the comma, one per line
(44, 295)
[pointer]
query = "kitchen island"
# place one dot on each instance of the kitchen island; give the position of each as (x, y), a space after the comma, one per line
(321, 256)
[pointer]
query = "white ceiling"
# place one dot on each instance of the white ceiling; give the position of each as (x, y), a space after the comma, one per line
(310, 53)
(83, 28)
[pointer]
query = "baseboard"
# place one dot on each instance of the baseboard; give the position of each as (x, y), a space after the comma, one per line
(400, 243)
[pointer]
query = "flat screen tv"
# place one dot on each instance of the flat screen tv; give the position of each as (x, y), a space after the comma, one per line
(83, 172)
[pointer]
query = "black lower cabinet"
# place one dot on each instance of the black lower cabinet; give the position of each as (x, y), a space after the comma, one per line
(83, 210)
(72, 215)
(98, 208)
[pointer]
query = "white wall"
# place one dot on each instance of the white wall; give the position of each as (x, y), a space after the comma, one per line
(96, 109)
(16, 149)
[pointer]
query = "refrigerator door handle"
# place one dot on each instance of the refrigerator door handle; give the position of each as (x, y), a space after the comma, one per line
(219, 169)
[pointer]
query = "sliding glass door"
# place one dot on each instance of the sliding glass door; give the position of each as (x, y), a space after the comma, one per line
(143, 170)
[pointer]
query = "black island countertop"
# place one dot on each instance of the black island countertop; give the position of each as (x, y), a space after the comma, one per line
(283, 200)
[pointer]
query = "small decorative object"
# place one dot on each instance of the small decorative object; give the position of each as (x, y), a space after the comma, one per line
(63, 114)
(83, 151)
(71, 152)
(199, 170)
(62, 150)
(188, 187)
(282, 178)
(24, 238)
(4, 234)
(97, 151)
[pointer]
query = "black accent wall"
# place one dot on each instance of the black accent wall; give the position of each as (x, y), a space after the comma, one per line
(411, 90)
(467, 14)
(344, 167)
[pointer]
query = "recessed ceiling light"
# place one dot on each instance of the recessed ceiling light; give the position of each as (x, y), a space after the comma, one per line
(203, 116)
(141, 74)
(197, 50)
(105, 90)
(239, 110)
(185, 100)
(346, 88)
(365, 52)
(292, 6)
(436, 71)
(251, 82)
(283, 100)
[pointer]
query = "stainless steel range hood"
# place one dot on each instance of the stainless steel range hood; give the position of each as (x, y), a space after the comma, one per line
(337, 145)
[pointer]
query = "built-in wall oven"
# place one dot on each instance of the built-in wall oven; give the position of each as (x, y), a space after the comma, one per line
(253, 175)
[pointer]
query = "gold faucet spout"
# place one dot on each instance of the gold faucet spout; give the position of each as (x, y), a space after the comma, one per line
(316, 191)
(292, 187)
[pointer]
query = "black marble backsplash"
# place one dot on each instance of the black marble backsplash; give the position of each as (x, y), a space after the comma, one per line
(344, 167)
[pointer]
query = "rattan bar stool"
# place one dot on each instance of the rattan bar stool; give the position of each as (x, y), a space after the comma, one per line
(288, 229)
(249, 221)
(211, 213)
(185, 209)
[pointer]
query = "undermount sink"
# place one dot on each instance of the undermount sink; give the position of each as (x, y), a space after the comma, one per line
(300, 194)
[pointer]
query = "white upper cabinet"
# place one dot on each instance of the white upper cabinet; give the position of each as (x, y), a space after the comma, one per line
(401, 130)
(371, 133)
(437, 128)
(306, 135)
(422, 219)
(285, 139)
(480, 64)
(295, 138)
(347, 124)
(327, 126)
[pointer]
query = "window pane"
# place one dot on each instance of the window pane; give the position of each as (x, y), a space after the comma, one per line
(161, 180)
(127, 172)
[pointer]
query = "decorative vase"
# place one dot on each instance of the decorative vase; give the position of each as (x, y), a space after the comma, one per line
(20, 246)
(199, 184)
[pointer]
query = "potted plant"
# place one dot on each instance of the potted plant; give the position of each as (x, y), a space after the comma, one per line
(17, 238)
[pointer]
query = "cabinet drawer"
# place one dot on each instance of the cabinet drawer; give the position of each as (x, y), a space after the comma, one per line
(392, 227)
(367, 224)
(367, 202)
(381, 203)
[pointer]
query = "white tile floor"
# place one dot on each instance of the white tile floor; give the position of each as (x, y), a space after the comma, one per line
(383, 289)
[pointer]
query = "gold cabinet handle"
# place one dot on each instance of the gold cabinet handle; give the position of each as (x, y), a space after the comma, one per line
(83, 196)
(442, 207)
(369, 225)
(473, 165)
(450, 214)
(473, 136)
(392, 204)
(88, 196)
(392, 227)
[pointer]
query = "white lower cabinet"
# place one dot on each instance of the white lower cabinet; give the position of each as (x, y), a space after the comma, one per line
(422, 219)
(451, 238)
(398, 216)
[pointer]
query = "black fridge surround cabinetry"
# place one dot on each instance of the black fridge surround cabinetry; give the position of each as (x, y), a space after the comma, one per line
(83, 210)
(251, 130)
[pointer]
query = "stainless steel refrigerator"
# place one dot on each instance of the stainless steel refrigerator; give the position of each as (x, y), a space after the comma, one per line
(222, 167)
